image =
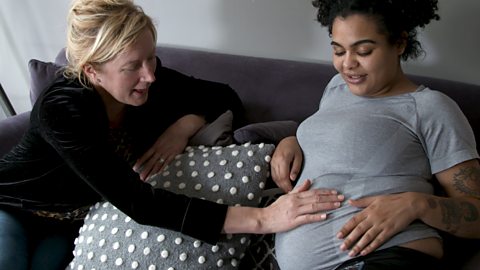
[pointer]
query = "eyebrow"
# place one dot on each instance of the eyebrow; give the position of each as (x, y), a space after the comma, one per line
(356, 43)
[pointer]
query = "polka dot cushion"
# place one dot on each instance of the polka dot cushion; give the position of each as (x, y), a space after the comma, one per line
(233, 175)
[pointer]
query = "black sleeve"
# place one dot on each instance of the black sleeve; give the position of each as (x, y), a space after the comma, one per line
(75, 125)
(182, 94)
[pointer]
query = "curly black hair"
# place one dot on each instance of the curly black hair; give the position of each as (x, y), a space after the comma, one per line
(395, 17)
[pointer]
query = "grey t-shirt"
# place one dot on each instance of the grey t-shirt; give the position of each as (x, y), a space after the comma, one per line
(368, 146)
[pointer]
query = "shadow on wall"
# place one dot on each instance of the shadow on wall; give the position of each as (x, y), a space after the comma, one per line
(281, 29)
(451, 44)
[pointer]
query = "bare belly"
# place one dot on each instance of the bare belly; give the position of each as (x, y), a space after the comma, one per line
(430, 246)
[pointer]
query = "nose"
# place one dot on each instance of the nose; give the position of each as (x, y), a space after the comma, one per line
(350, 61)
(148, 73)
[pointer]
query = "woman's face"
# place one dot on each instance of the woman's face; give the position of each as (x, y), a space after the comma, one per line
(128, 76)
(368, 63)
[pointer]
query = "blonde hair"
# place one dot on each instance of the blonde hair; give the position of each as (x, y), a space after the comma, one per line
(98, 30)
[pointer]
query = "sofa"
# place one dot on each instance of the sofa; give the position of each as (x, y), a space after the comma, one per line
(274, 92)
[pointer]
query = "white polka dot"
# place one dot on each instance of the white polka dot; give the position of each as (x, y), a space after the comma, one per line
(115, 217)
(201, 260)
(183, 256)
(116, 245)
(261, 145)
(247, 144)
(80, 267)
(231, 251)
(171, 268)
(179, 174)
(235, 153)
(128, 233)
(161, 238)
(182, 185)
(194, 174)
(79, 252)
(152, 267)
(144, 235)
(118, 261)
(191, 163)
(166, 184)
(239, 164)
(233, 190)
(220, 263)
(197, 243)
(104, 216)
(215, 188)
(220, 201)
(90, 255)
(94, 217)
(198, 186)
(103, 258)
(222, 162)
(234, 262)
(101, 228)
(153, 183)
(215, 249)
(210, 174)
(105, 204)
(257, 168)
(131, 248)
(89, 240)
(135, 265)
(250, 196)
(218, 152)
(245, 179)
(206, 163)
(146, 251)
(205, 155)
(228, 176)
(166, 173)
(261, 185)
(243, 240)
(128, 219)
(190, 154)
(81, 238)
(178, 240)
(164, 253)
(101, 243)
(250, 153)
(268, 158)
(229, 236)
(114, 230)
(97, 205)
(178, 163)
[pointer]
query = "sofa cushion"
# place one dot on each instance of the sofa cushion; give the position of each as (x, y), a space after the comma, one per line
(233, 175)
(41, 75)
(268, 132)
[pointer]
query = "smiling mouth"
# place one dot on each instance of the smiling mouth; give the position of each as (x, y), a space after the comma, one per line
(354, 79)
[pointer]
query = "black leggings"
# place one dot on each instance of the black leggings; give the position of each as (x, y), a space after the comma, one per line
(394, 258)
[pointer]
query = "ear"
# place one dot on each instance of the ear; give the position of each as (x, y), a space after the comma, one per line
(402, 43)
(90, 72)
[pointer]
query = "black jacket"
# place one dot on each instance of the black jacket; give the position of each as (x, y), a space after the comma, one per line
(65, 160)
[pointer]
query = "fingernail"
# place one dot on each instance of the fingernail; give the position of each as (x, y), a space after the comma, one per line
(340, 236)
(342, 247)
(323, 216)
(336, 204)
(341, 197)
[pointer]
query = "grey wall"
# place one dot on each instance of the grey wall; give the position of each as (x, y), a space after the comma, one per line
(268, 28)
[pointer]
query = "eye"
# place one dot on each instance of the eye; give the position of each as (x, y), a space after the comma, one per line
(364, 53)
(339, 53)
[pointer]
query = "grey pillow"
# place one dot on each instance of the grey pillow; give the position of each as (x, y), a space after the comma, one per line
(233, 175)
(218, 132)
(267, 132)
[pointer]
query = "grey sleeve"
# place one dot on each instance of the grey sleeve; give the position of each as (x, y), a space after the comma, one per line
(444, 130)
